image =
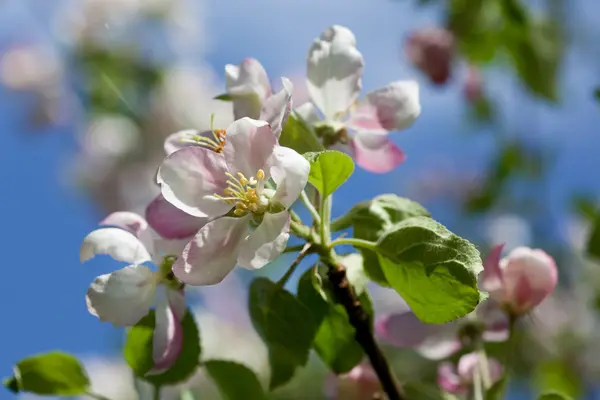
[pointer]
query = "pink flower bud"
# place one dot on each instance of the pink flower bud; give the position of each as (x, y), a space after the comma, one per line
(520, 281)
(360, 383)
(431, 50)
(458, 379)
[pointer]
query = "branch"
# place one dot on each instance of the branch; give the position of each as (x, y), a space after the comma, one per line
(303, 253)
(364, 336)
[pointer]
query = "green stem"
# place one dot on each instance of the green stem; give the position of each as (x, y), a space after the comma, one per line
(156, 392)
(478, 392)
(303, 253)
(325, 210)
(293, 249)
(341, 223)
(311, 208)
(365, 244)
(96, 396)
(484, 368)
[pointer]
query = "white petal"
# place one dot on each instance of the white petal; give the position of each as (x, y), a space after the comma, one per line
(213, 252)
(130, 221)
(249, 86)
(334, 71)
(266, 242)
(117, 243)
(249, 146)
(122, 297)
(276, 108)
(393, 107)
(290, 172)
(309, 113)
(190, 178)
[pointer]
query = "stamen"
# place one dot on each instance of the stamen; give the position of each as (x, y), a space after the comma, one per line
(260, 175)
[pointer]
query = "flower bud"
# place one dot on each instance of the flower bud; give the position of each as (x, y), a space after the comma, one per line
(458, 379)
(361, 383)
(473, 88)
(431, 50)
(520, 281)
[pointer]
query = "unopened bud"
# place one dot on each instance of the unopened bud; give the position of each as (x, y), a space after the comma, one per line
(432, 50)
(361, 383)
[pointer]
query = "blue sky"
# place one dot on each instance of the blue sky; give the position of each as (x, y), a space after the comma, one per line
(42, 290)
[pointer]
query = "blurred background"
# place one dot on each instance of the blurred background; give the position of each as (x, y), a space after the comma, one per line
(506, 150)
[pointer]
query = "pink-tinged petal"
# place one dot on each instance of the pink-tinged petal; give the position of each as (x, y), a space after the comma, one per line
(290, 172)
(179, 140)
(122, 297)
(491, 278)
(168, 337)
(530, 275)
(189, 179)
(266, 242)
(250, 144)
(334, 71)
(276, 108)
(176, 299)
(361, 383)
(129, 221)
(170, 222)
(115, 242)
(308, 113)
(468, 363)
(432, 50)
(213, 252)
(249, 86)
(404, 329)
(448, 379)
(441, 346)
(393, 107)
(376, 152)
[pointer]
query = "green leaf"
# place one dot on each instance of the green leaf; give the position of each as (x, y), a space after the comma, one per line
(496, 392)
(187, 394)
(224, 97)
(138, 351)
(286, 326)
(299, 136)
(329, 169)
(597, 94)
(335, 341)
(52, 373)
(434, 270)
(370, 219)
(555, 375)
(235, 381)
(554, 396)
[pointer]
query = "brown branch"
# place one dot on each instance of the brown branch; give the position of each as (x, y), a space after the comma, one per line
(364, 335)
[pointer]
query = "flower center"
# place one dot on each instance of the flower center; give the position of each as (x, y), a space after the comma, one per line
(245, 193)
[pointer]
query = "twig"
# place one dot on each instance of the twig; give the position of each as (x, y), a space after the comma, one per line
(294, 265)
(364, 335)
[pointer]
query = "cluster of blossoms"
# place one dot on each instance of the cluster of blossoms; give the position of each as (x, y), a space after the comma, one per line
(225, 201)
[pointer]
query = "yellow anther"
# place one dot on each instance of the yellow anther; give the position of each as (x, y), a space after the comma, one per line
(242, 179)
(239, 212)
(260, 175)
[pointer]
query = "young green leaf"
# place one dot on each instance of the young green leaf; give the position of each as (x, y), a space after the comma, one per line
(52, 373)
(224, 97)
(434, 270)
(425, 391)
(329, 170)
(235, 381)
(286, 326)
(593, 243)
(299, 136)
(496, 392)
(138, 351)
(370, 219)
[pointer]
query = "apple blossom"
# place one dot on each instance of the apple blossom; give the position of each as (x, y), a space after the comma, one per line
(274, 109)
(458, 380)
(436, 342)
(361, 383)
(334, 73)
(125, 296)
(520, 281)
(232, 190)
